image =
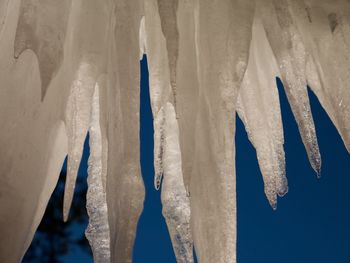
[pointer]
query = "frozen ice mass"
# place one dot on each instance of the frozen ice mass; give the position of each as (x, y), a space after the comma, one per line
(70, 67)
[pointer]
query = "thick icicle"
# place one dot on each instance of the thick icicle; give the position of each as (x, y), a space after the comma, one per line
(176, 203)
(259, 108)
(77, 121)
(223, 33)
(288, 47)
(124, 185)
(42, 28)
(187, 85)
(97, 231)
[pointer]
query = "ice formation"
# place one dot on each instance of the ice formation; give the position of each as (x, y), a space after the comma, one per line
(72, 67)
(97, 231)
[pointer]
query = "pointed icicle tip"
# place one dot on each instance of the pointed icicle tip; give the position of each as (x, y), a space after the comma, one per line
(316, 164)
(72, 173)
(273, 205)
(318, 173)
(66, 207)
(272, 199)
(65, 213)
(157, 181)
(283, 192)
(282, 188)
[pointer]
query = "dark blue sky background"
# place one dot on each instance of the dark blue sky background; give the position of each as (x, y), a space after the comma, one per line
(312, 222)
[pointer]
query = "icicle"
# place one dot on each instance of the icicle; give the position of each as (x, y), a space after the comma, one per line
(124, 185)
(259, 108)
(176, 204)
(223, 33)
(290, 53)
(77, 119)
(42, 28)
(167, 156)
(97, 231)
(187, 86)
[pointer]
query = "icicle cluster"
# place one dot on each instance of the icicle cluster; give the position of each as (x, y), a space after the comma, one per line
(72, 67)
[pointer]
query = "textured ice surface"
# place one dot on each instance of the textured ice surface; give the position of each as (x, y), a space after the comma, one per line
(223, 33)
(176, 203)
(69, 67)
(259, 108)
(124, 186)
(167, 155)
(97, 231)
(77, 121)
(325, 32)
(290, 53)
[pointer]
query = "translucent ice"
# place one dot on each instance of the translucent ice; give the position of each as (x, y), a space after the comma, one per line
(78, 120)
(290, 53)
(86, 56)
(325, 30)
(187, 85)
(97, 231)
(67, 67)
(176, 203)
(223, 33)
(167, 155)
(121, 102)
(259, 108)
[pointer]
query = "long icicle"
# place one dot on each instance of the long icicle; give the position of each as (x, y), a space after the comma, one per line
(176, 203)
(97, 231)
(78, 119)
(259, 108)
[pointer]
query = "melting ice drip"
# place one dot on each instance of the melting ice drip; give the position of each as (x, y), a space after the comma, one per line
(69, 67)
